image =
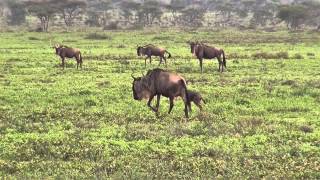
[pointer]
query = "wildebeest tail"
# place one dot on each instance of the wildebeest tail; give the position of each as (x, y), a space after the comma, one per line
(186, 92)
(224, 59)
(168, 54)
(80, 57)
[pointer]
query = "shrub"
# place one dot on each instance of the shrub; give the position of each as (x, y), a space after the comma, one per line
(283, 55)
(306, 129)
(112, 26)
(262, 55)
(96, 36)
(298, 56)
(33, 38)
(310, 54)
(265, 55)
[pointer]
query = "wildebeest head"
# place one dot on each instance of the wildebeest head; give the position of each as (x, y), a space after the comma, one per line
(140, 88)
(58, 48)
(194, 47)
(139, 50)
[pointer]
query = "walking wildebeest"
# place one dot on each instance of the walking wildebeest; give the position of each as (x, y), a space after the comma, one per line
(159, 82)
(64, 51)
(196, 98)
(151, 50)
(202, 51)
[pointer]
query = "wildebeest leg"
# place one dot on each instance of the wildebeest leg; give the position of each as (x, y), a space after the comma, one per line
(200, 60)
(189, 106)
(160, 61)
(171, 105)
(220, 63)
(62, 59)
(186, 109)
(78, 62)
(149, 59)
(199, 106)
(185, 100)
(165, 61)
(149, 104)
(145, 62)
(158, 102)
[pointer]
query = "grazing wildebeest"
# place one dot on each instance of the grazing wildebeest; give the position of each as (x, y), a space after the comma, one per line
(64, 51)
(159, 82)
(202, 51)
(196, 98)
(151, 50)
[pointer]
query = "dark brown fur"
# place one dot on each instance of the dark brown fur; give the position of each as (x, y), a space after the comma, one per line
(159, 83)
(196, 98)
(202, 51)
(64, 51)
(151, 50)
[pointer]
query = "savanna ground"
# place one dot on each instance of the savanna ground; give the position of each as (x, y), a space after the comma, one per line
(261, 119)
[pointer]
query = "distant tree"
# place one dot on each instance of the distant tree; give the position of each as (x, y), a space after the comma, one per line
(98, 14)
(17, 12)
(70, 10)
(129, 10)
(262, 11)
(44, 10)
(313, 12)
(150, 11)
(175, 7)
(293, 15)
(229, 11)
(193, 15)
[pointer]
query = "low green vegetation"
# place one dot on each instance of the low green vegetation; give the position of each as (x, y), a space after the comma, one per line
(261, 119)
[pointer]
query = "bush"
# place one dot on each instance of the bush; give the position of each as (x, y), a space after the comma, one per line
(298, 56)
(96, 36)
(265, 55)
(310, 54)
(34, 38)
(283, 55)
(112, 26)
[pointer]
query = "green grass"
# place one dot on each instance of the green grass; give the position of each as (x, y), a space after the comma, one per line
(261, 119)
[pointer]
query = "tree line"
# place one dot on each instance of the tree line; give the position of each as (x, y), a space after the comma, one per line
(294, 14)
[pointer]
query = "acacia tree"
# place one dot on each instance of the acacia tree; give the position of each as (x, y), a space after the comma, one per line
(97, 12)
(294, 15)
(228, 10)
(262, 11)
(313, 13)
(129, 10)
(193, 15)
(17, 13)
(175, 7)
(44, 10)
(71, 9)
(150, 11)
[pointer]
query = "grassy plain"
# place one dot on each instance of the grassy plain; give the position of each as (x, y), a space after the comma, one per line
(261, 119)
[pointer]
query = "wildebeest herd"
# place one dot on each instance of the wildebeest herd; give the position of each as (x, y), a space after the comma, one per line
(159, 82)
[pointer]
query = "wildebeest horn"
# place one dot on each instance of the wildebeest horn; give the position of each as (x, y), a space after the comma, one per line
(133, 76)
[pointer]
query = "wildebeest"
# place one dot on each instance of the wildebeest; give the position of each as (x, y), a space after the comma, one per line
(151, 50)
(196, 98)
(64, 51)
(158, 82)
(202, 51)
